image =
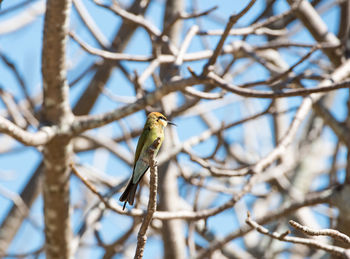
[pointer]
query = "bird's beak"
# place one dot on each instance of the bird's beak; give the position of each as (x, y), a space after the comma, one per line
(171, 123)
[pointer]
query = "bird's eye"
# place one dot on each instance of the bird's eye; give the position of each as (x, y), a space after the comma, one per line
(161, 118)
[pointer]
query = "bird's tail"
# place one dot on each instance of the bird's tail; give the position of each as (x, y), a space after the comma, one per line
(128, 194)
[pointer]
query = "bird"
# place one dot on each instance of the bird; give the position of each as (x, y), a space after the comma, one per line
(153, 129)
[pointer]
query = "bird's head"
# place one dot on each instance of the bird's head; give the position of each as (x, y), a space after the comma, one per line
(157, 118)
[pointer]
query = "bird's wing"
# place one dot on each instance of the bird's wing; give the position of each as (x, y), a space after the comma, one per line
(141, 166)
(148, 136)
(141, 143)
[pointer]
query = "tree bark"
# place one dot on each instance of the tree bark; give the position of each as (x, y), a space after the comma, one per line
(56, 108)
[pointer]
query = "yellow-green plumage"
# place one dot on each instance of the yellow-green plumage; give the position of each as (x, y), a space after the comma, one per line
(154, 128)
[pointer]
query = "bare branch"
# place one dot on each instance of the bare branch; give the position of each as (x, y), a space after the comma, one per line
(26, 17)
(317, 27)
(232, 21)
(335, 250)
(90, 24)
(152, 202)
(85, 123)
(130, 17)
(323, 232)
(41, 137)
(276, 94)
(312, 199)
(108, 54)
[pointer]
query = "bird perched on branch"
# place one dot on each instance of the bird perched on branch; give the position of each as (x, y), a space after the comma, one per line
(154, 128)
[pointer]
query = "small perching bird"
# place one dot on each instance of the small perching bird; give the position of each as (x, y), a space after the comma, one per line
(154, 128)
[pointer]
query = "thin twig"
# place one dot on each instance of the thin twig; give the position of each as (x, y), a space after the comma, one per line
(323, 232)
(88, 184)
(278, 93)
(152, 202)
(232, 21)
(107, 54)
(185, 17)
(90, 24)
(312, 199)
(335, 250)
(132, 18)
